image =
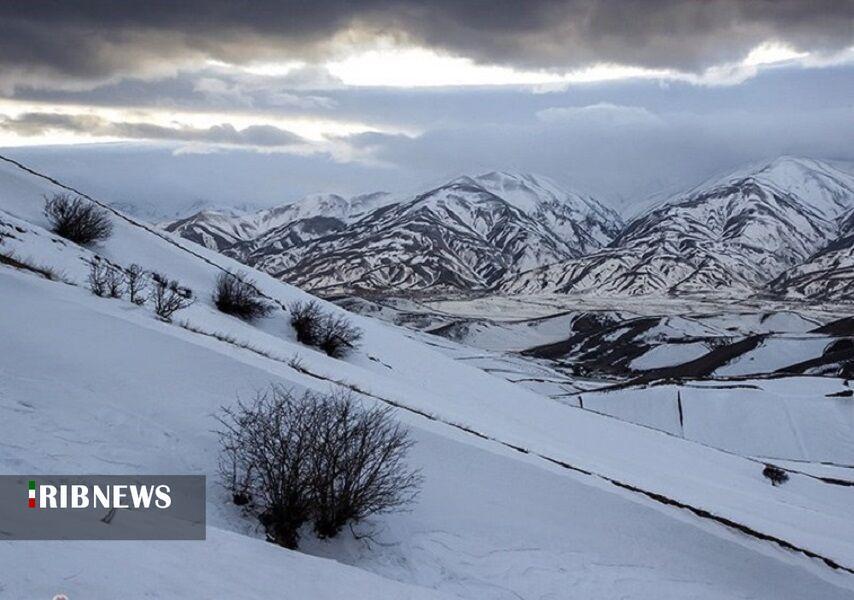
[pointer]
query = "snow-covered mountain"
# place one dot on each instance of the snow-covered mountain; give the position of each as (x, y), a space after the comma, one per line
(153, 213)
(220, 229)
(826, 276)
(469, 234)
(729, 235)
(585, 502)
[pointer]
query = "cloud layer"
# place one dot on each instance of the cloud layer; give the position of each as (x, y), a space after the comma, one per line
(97, 40)
(618, 98)
(34, 124)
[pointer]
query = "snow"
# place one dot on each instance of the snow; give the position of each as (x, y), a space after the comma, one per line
(558, 530)
(667, 355)
(96, 385)
(791, 418)
(775, 353)
(731, 235)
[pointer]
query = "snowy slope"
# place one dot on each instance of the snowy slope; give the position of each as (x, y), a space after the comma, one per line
(582, 538)
(580, 220)
(793, 418)
(66, 353)
(826, 276)
(218, 230)
(728, 236)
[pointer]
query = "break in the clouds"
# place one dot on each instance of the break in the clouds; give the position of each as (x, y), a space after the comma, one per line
(263, 101)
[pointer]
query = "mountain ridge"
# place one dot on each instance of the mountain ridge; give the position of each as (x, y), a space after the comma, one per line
(736, 234)
(732, 234)
(467, 234)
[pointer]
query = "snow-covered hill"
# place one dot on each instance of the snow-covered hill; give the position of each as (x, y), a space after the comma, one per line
(728, 236)
(523, 495)
(220, 229)
(469, 234)
(828, 276)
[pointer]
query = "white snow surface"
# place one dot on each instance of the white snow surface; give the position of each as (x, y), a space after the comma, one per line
(775, 353)
(667, 355)
(96, 385)
(791, 418)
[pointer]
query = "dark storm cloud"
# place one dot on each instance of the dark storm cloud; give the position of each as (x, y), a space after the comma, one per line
(95, 40)
(32, 124)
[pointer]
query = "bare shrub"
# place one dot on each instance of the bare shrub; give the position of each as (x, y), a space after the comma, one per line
(77, 219)
(98, 276)
(359, 464)
(266, 449)
(169, 297)
(775, 474)
(295, 362)
(337, 335)
(25, 264)
(115, 283)
(305, 317)
(105, 280)
(292, 459)
(236, 295)
(137, 282)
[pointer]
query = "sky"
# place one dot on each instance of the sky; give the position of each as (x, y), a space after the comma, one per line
(163, 104)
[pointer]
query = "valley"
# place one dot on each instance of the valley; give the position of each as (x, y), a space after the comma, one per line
(583, 410)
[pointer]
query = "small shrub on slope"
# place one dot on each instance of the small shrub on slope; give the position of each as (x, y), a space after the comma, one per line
(99, 274)
(305, 317)
(776, 475)
(293, 459)
(169, 297)
(238, 296)
(335, 334)
(137, 282)
(77, 219)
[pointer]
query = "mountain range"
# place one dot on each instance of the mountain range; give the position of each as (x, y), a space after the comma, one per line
(469, 234)
(783, 227)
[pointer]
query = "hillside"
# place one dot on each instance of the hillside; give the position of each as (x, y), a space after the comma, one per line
(469, 234)
(584, 501)
(728, 236)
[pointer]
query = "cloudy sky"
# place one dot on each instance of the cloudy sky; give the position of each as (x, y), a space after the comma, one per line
(163, 103)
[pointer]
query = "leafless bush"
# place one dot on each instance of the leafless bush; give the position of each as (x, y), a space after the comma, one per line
(293, 459)
(359, 466)
(25, 264)
(266, 450)
(333, 333)
(169, 297)
(337, 335)
(137, 281)
(236, 295)
(295, 362)
(115, 283)
(98, 276)
(105, 280)
(77, 219)
(305, 317)
(775, 474)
